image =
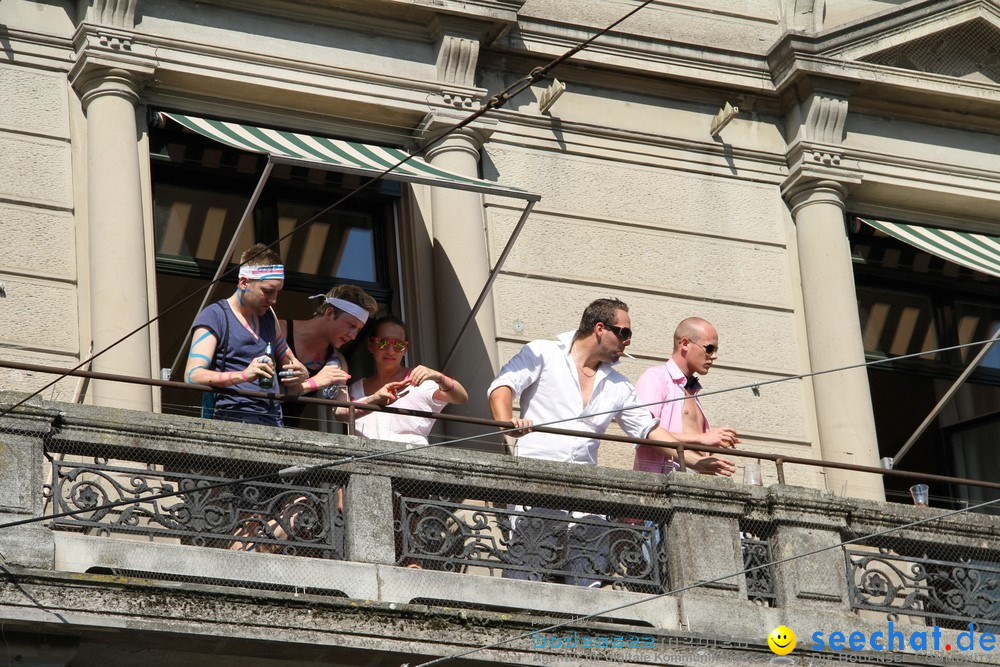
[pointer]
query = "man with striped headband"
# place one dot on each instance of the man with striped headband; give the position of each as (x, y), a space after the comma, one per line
(338, 319)
(230, 338)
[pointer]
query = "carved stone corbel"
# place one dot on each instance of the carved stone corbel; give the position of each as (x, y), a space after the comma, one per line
(109, 60)
(816, 130)
(113, 13)
(458, 44)
(457, 59)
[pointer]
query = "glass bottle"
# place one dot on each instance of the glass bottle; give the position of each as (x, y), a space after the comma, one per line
(268, 382)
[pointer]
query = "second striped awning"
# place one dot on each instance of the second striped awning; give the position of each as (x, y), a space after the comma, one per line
(339, 155)
(979, 252)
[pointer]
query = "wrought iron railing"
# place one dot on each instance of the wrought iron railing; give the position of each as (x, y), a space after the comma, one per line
(272, 517)
(531, 543)
(948, 593)
(756, 549)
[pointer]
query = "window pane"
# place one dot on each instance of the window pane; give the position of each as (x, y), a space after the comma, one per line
(896, 323)
(977, 322)
(199, 224)
(336, 245)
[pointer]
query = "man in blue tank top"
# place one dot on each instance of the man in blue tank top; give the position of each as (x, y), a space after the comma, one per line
(230, 339)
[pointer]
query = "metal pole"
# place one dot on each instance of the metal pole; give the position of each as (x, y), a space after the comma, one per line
(952, 390)
(489, 282)
(229, 254)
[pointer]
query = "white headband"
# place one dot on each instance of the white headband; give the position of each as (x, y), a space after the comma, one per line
(272, 272)
(346, 306)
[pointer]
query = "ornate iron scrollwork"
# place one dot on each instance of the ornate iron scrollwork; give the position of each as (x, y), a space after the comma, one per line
(271, 517)
(760, 573)
(945, 591)
(531, 543)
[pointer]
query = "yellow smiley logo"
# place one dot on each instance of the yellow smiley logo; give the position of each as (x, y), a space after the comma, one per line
(781, 640)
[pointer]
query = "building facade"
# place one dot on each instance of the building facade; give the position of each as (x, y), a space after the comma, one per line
(846, 111)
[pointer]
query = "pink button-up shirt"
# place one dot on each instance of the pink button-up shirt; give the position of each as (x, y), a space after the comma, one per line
(662, 383)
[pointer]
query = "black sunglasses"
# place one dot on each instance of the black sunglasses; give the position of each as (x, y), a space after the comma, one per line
(709, 349)
(623, 333)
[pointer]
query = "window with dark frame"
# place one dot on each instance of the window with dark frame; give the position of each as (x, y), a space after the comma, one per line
(910, 301)
(200, 191)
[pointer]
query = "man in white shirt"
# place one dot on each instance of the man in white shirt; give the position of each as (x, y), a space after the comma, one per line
(572, 379)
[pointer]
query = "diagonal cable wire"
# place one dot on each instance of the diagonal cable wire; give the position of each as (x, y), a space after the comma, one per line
(699, 584)
(495, 102)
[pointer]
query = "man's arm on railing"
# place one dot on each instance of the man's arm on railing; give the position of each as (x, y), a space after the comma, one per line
(502, 407)
(706, 465)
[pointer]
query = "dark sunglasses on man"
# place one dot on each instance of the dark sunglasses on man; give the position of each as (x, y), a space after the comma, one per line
(709, 349)
(382, 343)
(624, 333)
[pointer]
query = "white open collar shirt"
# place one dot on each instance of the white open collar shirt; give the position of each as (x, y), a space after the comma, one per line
(545, 377)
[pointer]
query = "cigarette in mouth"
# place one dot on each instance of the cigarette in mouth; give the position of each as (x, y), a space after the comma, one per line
(630, 356)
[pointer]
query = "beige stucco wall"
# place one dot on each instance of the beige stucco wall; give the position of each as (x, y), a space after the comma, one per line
(639, 202)
(749, 25)
(293, 38)
(38, 260)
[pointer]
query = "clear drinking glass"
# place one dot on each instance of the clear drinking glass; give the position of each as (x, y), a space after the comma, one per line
(920, 494)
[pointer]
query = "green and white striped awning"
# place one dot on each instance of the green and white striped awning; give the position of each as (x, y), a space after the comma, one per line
(337, 155)
(979, 252)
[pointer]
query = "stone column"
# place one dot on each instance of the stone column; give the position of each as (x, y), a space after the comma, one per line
(843, 399)
(369, 533)
(706, 563)
(109, 91)
(461, 268)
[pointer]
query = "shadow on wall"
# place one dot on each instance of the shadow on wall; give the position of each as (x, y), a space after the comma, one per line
(5, 47)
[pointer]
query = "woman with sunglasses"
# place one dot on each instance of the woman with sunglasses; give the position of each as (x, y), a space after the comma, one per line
(417, 388)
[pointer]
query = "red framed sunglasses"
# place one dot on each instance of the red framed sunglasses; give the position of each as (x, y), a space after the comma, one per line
(382, 343)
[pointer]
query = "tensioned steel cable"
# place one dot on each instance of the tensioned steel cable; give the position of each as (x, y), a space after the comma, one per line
(657, 596)
(300, 469)
(495, 102)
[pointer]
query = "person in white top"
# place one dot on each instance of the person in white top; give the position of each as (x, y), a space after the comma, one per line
(571, 380)
(417, 388)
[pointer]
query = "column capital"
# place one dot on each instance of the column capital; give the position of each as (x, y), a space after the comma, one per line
(815, 191)
(469, 139)
(818, 174)
(108, 62)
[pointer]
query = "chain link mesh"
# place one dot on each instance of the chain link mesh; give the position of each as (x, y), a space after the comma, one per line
(968, 51)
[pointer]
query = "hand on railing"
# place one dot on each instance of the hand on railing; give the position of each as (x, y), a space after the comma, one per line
(711, 465)
(523, 427)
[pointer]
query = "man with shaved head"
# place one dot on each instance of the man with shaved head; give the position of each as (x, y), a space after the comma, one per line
(674, 387)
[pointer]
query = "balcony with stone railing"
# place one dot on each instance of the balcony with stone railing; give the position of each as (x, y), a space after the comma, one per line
(408, 554)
